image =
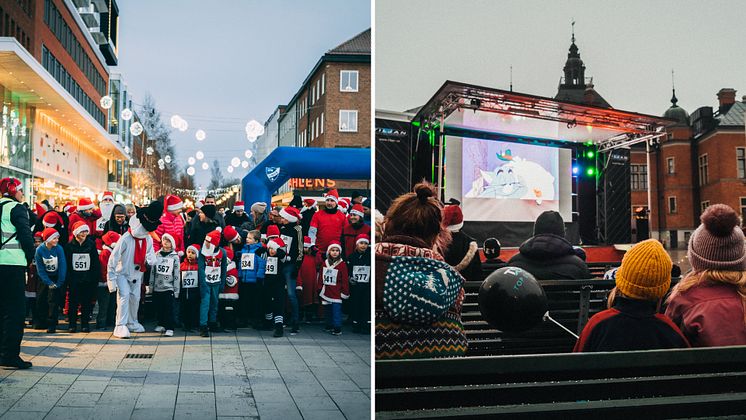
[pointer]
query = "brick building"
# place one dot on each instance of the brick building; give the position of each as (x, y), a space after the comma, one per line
(701, 162)
(53, 74)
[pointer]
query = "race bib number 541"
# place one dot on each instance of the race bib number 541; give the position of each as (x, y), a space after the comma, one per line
(330, 276)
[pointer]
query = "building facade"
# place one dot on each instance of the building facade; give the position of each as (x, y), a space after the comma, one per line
(53, 78)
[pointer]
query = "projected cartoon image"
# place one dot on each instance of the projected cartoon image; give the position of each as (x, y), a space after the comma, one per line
(514, 177)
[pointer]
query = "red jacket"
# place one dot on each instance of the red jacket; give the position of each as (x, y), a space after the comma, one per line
(709, 314)
(230, 291)
(103, 258)
(333, 289)
(307, 279)
(32, 281)
(349, 234)
(90, 221)
(329, 227)
(174, 226)
(186, 292)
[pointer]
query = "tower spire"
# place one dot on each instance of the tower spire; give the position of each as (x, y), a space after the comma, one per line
(511, 78)
(573, 30)
(673, 89)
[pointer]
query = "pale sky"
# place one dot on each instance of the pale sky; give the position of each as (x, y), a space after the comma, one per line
(221, 63)
(628, 47)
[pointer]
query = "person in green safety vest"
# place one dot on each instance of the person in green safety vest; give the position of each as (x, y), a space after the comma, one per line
(16, 253)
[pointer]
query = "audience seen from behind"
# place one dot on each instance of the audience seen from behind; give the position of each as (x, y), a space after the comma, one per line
(492, 260)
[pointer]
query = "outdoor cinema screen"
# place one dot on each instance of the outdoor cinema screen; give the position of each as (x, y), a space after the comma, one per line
(513, 182)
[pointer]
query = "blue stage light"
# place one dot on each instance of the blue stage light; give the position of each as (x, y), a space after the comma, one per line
(575, 170)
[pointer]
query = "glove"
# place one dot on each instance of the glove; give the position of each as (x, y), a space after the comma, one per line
(148, 290)
(53, 286)
(112, 286)
(176, 295)
(299, 288)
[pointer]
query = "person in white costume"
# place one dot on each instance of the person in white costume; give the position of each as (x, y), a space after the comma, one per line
(127, 265)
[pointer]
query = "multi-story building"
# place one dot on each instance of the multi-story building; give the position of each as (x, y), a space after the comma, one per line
(267, 142)
(701, 162)
(55, 133)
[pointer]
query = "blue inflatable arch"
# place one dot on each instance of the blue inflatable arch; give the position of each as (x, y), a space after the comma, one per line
(303, 162)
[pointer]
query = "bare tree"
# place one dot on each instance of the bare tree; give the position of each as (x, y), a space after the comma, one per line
(216, 181)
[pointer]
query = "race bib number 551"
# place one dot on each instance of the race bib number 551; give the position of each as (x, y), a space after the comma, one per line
(81, 262)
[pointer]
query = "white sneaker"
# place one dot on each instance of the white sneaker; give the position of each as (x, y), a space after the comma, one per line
(121, 331)
(169, 333)
(136, 327)
(159, 329)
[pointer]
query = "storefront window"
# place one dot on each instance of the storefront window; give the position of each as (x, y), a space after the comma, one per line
(16, 122)
(115, 108)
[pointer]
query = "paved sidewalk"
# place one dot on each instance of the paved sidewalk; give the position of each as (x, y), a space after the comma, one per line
(248, 374)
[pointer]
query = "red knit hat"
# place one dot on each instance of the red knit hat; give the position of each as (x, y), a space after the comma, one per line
(453, 218)
(230, 234)
(332, 195)
(49, 233)
(291, 214)
(239, 206)
(273, 230)
(362, 238)
(110, 238)
(79, 227)
(718, 243)
(358, 210)
(275, 243)
(214, 237)
(173, 203)
(84, 204)
(51, 219)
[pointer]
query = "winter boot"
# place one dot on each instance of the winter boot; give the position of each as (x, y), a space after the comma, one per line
(203, 331)
(295, 329)
(278, 330)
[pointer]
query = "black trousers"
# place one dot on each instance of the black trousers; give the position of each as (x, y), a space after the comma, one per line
(164, 308)
(360, 303)
(82, 293)
(12, 310)
(47, 309)
(250, 303)
(274, 298)
(189, 305)
(227, 309)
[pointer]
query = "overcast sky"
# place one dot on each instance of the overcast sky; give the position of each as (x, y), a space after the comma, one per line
(219, 64)
(628, 47)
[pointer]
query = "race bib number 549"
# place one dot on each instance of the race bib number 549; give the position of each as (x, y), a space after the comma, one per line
(271, 267)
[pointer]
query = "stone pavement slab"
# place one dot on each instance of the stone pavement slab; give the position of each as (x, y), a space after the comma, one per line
(243, 375)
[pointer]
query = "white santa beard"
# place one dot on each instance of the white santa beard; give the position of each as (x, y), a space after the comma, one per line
(106, 208)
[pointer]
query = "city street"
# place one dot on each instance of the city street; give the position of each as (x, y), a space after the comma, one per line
(248, 374)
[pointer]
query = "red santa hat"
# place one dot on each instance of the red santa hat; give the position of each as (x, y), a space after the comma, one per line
(51, 219)
(111, 238)
(84, 204)
(358, 210)
(194, 247)
(307, 242)
(272, 231)
(239, 206)
(214, 237)
(275, 243)
(453, 218)
(38, 235)
(332, 195)
(39, 209)
(343, 205)
(309, 202)
(173, 203)
(362, 238)
(48, 234)
(67, 206)
(108, 195)
(170, 238)
(291, 214)
(334, 244)
(230, 234)
(80, 227)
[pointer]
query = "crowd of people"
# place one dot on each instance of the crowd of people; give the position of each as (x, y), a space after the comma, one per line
(421, 253)
(204, 268)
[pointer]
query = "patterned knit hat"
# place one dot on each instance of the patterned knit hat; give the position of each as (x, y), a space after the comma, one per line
(717, 244)
(645, 273)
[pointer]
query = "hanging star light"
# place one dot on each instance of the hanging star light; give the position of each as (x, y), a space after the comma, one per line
(126, 114)
(191, 160)
(244, 164)
(183, 125)
(230, 169)
(205, 166)
(136, 128)
(106, 102)
(126, 149)
(132, 161)
(190, 171)
(235, 162)
(161, 162)
(175, 120)
(167, 159)
(199, 155)
(149, 150)
(253, 130)
(200, 135)
(248, 154)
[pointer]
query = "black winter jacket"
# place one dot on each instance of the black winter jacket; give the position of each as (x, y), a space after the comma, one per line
(463, 255)
(550, 257)
(93, 274)
(489, 266)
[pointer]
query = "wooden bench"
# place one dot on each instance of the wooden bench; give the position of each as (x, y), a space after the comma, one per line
(704, 382)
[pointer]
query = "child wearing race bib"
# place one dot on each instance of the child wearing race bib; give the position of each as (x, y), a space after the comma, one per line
(211, 272)
(189, 294)
(305, 284)
(251, 264)
(104, 297)
(83, 275)
(52, 271)
(358, 264)
(274, 284)
(228, 298)
(165, 279)
(333, 287)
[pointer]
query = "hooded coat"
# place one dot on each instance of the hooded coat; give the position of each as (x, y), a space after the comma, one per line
(550, 257)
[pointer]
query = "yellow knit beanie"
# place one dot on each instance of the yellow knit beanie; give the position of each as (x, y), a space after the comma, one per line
(645, 273)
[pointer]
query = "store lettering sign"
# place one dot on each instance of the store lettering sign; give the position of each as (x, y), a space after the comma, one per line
(311, 183)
